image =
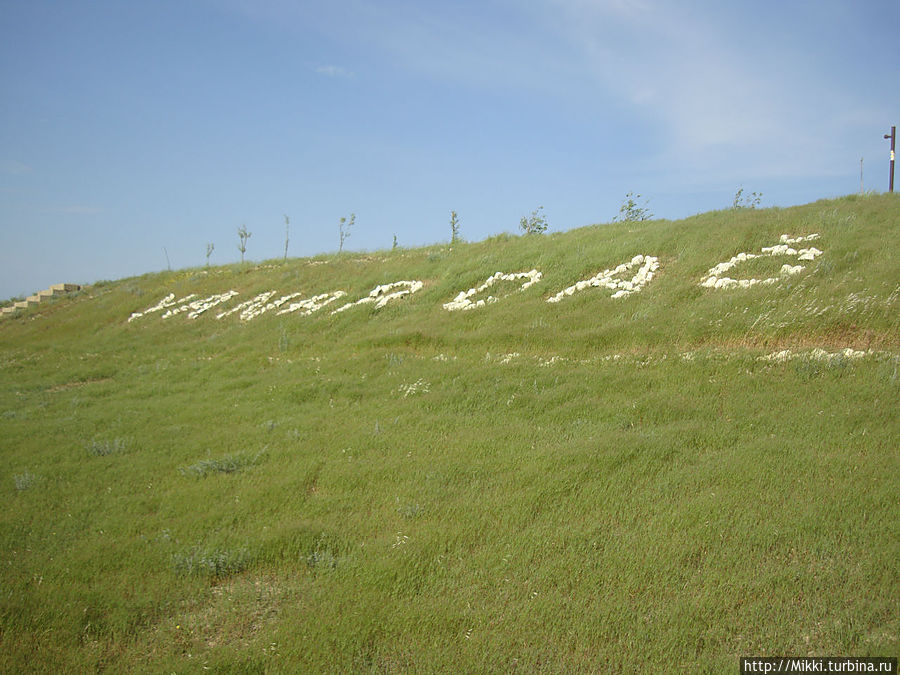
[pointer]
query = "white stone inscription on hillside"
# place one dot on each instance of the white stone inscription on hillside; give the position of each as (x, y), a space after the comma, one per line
(313, 304)
(463, 301)
(197, 307)
(382, 295)
(617, 280)
(612, 280)
(715, 277)
(249, 309)
(168, 301)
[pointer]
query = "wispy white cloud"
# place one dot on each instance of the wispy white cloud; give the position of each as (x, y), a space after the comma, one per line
(485, 45)
(14, 168)
(728, 90)
(333, 71)
(723, 88)
(76, 210)
(674, 63)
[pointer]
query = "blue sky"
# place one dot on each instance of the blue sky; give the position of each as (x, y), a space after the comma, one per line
(129, 127)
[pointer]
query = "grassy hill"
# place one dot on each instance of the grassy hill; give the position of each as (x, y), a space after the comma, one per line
(669, 479)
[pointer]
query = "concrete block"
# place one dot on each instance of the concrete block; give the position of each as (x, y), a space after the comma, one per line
(31, 300)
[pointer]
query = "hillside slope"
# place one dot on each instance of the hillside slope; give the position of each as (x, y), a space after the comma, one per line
(247, 468)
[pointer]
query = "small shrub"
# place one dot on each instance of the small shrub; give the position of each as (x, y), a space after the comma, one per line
(536, 223)
(749, 202)
(630, 212)
(454, 228)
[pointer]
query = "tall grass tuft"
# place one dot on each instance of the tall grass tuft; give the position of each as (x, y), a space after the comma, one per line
(211, 562)
(24, 481)
(107, 447)
(228, 464)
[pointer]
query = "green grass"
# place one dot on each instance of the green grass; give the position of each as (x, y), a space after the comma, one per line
(595, 485)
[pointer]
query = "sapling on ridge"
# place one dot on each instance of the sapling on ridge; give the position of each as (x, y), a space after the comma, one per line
(243, 235)
(536, 223)
(210, 247)
(287, 232)
(630, 212)
(741, 202)
(344, 230)
(454, 228)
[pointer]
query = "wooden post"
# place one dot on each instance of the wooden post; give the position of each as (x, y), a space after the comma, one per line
(893, 137)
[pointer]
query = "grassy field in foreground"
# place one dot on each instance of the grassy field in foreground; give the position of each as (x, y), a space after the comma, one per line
(667, 480)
